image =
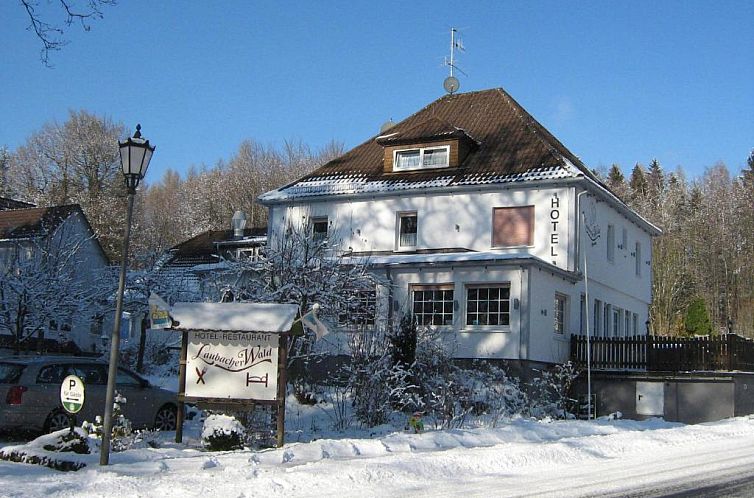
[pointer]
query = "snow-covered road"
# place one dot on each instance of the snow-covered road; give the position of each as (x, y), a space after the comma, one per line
(522, 458)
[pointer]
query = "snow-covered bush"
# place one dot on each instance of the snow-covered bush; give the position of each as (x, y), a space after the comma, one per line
(122, 436)
(66, 441)
(223, 433)
(433, 384)
(550, 392)
(492, 393)
(377, 376)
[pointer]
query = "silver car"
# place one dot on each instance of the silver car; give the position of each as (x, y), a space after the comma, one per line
(30, 394)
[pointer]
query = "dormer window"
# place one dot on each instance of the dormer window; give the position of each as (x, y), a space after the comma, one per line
(420, 158)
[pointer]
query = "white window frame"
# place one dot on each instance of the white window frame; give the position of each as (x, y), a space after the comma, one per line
(420, 316)
(421, 165)
(560, 315)
(399, 223)
(499, 313)
(360, 309)
(319, 220)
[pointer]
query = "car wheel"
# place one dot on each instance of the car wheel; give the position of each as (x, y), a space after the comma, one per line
(57, 421)
(166, 418)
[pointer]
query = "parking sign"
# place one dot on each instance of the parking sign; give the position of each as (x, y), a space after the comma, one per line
(72, 394)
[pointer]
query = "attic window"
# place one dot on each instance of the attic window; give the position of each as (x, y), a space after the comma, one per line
(419, 158)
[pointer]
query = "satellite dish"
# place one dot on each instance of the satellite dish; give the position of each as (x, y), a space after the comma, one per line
(451, 84)
(387, 125)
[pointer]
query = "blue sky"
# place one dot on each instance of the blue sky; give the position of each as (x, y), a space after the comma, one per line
(614, 81)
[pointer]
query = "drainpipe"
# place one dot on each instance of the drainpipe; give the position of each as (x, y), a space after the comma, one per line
(580, 248)
(389, 299)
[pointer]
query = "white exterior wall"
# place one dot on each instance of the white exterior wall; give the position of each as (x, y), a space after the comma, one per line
(464, 221)
(469, 341)
(544, 344)
(620, 273)
(445, 220)
(90, 262)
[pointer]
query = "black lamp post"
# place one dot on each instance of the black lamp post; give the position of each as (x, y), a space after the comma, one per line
(135, 154)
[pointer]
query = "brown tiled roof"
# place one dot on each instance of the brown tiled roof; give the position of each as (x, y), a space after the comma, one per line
(512, 146)
(203, 246)
(7, 203)
(32, 222)
(432, 129)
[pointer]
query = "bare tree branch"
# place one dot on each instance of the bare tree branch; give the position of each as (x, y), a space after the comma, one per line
(51, 33)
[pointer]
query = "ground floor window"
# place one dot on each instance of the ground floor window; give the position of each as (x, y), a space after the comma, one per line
(359, 308)
(597, 318)
(488, 305)
(559, 315)
(433, 304)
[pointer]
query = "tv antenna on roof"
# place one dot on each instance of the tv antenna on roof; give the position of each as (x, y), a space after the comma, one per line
(451, 83)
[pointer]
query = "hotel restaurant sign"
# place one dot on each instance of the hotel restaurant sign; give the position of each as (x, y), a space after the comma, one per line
(233, 353)
(234, 365)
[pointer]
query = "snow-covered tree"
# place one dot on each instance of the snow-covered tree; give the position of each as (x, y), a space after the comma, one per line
(41, 288)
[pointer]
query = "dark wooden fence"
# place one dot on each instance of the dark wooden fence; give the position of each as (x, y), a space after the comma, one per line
(665, 354)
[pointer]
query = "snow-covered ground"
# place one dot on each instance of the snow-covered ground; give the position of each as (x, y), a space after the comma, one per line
(518, 458)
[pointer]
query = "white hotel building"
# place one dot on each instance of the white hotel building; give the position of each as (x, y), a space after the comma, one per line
(472, 211)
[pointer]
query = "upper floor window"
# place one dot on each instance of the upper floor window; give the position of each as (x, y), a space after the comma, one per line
(319, 228)
(433, 304)
(513, 226)
(638, 259)
(611, 243)
(407, 224)
(423, 157)
(488, 305)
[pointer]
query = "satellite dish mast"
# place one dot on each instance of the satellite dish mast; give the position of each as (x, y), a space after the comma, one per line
(451, 83)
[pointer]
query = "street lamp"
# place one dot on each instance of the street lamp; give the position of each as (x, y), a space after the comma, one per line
(135, 154)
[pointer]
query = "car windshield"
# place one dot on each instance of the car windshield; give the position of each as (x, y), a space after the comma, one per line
(10, 372)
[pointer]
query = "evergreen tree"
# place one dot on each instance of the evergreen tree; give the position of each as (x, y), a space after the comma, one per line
(655, 183)
(617, 182)
(697, 321)
(638, 184)
(748, 174)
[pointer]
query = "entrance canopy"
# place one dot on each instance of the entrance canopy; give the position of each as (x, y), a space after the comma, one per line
(240, 317)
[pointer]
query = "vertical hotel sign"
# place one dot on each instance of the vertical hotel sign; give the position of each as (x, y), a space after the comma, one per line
(232, 365)
(554, 232)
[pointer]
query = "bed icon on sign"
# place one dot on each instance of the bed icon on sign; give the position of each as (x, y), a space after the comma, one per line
(256, 379)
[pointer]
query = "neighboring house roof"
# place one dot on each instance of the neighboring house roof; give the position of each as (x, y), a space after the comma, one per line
(7, 203)
(203, 248)
(33, 222)
(512, 147)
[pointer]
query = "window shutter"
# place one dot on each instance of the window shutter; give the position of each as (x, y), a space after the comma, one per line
(513, 226)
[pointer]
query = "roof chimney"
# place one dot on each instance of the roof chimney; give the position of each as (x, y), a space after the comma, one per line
(238, 223)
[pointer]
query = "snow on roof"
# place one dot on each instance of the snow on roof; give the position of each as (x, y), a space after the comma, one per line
(245, 317)
(459, 257)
